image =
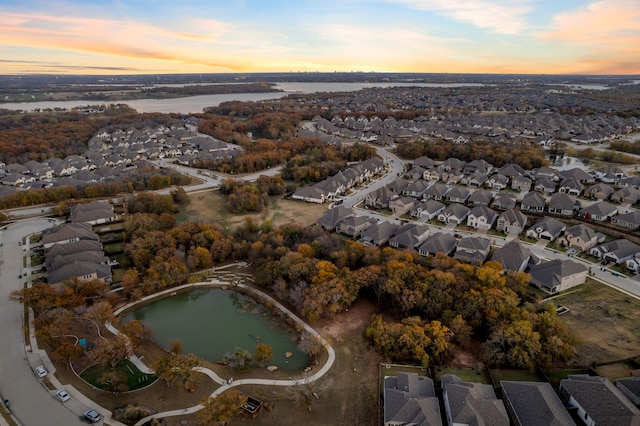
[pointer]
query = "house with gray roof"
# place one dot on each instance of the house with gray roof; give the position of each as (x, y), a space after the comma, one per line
(609, 174)
(498, 182)
(473, 250)
(480, 197)
(599, 191)
(630, 220)
(571, 186)
(545, 172)
(379, 233)
(617, 251)
(630, 387)
(627, 195)
(598, 401)
(545, 186)
(353, 226)
(428, 209)
(93, 213)
(424, 162)
(511, 170)
(310, 194)
(515, 257)
(511, 221)
(562, 204)
(477, 179)
(83, 271)
(534, 404)
(452, 177)
(558, 275)
(402, 205)
(416, 189)
(599, 211)
(415, 173)
(331, 219)
(409, 236)
(454, 213)
(578, 174)
(80, 246)
(379, 198)
(437, 192)
(438, 243)
(453, 163)
(581, 237)
(533, 202)
(410, 399)
(504, 202)
(547, 228)
(470, 403)
(398, 185)
(458, 195)
(481, 217)
(67, 233)
(521, 183)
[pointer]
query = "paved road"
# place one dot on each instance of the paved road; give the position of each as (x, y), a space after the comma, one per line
(30, 401)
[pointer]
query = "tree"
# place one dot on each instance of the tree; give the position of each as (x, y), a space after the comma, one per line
(114, 381)
(137, 332)
(112, 351)
(67, 352)
(238, 359)
(222, 408)
(262, 354)
(177, 367)
(515, 345)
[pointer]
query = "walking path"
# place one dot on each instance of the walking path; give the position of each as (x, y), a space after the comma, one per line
(212, 374)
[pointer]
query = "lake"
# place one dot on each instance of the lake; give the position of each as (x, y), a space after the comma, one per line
(212, 322)
(196, 104)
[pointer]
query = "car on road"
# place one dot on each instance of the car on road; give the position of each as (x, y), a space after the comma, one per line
(63, 395)
(41, 371)
(92, 416)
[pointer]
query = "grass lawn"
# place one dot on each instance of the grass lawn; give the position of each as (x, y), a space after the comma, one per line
(604, 321)
(210, 207)
(514, 375)
(556, 375)
(135, 378)
(466, 374)
(113, 248)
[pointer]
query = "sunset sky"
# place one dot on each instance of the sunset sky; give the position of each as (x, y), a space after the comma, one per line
(203, 36)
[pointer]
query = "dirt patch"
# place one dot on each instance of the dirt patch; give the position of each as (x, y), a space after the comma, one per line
(210, 207)
(604, 322)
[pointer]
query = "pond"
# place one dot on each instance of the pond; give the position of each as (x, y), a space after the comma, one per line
(213, 322)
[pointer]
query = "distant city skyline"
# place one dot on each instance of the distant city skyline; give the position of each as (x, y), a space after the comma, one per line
(430, 36)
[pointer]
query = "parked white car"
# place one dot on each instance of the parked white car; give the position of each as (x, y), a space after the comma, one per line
(41, 371)
(63, 395)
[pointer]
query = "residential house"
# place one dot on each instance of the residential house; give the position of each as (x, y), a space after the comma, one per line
(630, 387)
(547, 229)
(424, 162)
(473, 250)
(416, 189)
(415, 173)
(599, 211)
(504, 202)
(562, 204)
(432, 174)
(533, 202)
(476, 179)
(545, 172)
(438, 243)
(481, 197)
(410, 399)
(629, 220)
(515, 257)
(511, 221)
(498, 182)
(437, 191)
(353, 226)
(83, 271)
(633, 265)
(452, 163)
(534, 404)
(617, 251)
(379, 234)
(609, 174)
(558, 275)
(331, 219)
(598, 191)
(93, 213)
(452, 177)
(571, 186)
(470, 403)
(454, 213)
(398, 185)
(545, 186)
(428, 209)
(581, 237)
(521, 183)
(409, 236)
(310, 194)
(379, 198)
(458, 195)
(67, 233)
(401, 205)
(511, 170)
(577, 173)
(627, 195)
(475, 166)
(481, 217)
(598, 401)
(631, 182)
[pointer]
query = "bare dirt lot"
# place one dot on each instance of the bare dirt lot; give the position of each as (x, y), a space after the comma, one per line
(210, 207)
(605, 322)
